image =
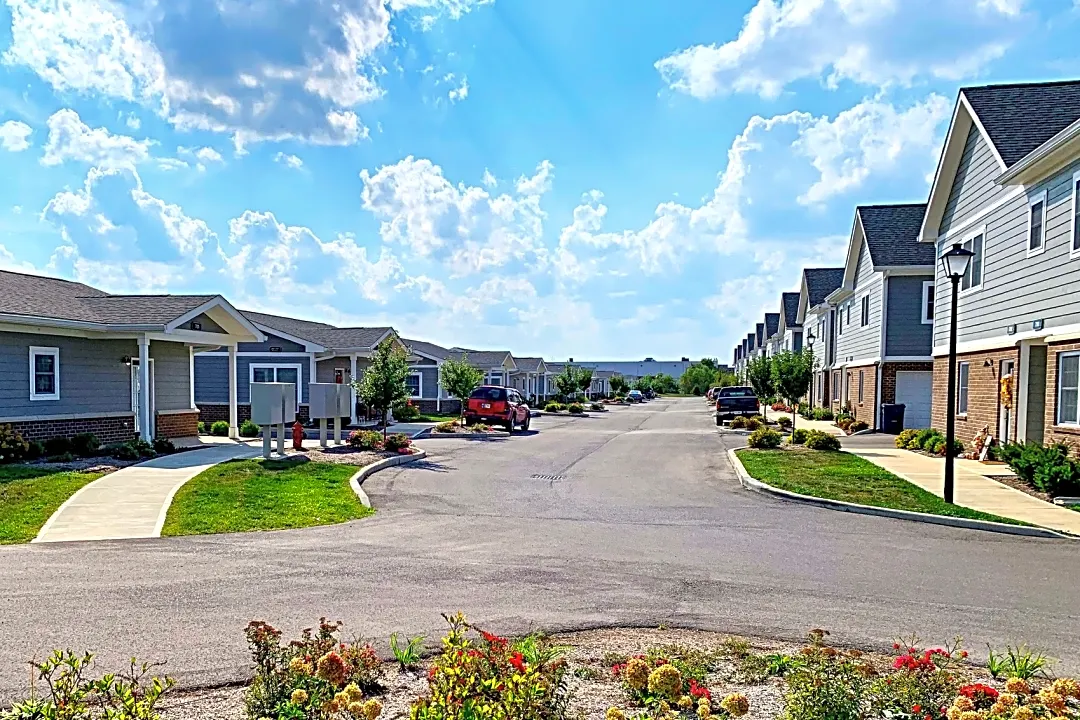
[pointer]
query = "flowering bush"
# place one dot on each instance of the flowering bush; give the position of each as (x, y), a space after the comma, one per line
(781, 407)
(922, 684)
(827, 684)
(13, 447)
(406, 411)
(857, 426)
(784, 421)
(446, 427)
(316, 677)
(576, 409)
(1020, 701)
(398, 442)
(366, 440)
(737, 423)
(492, 678)
(672, 686)
(764, 439)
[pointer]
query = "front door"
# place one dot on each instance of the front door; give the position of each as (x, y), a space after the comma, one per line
(1006, 400)
(136, 384)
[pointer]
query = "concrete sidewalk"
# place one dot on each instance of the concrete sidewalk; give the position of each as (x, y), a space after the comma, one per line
(973, 488)
(131, 502)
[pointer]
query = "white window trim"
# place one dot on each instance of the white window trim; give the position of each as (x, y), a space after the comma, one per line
(290, 366)
(958, 376)
(840, 320)
(1057, 408)
(982, 268)
(420, 390)
(926, 287)
(864, 312)
(36, 350)
(1032, 202)
(1073, 251)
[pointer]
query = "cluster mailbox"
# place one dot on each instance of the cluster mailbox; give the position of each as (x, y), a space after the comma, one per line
(273, 404)
(329, 401)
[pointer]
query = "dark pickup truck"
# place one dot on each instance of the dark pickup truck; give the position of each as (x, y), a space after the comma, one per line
(733, 401)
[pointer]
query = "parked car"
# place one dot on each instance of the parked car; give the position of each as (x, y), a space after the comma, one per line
(635, 396)
(498, 406)
(711, 394)
(734, 401)
(650, 394)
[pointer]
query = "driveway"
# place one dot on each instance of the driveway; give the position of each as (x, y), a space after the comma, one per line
(631, 517)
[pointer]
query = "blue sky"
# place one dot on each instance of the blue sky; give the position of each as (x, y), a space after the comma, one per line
(602, 179)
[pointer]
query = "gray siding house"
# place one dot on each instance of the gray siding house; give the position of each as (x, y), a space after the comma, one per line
(817, 318)
(772, 334)
(74, 359)
(530, 377)
(790, 332)
(1007, 188)
(884, 316)
(427, 390)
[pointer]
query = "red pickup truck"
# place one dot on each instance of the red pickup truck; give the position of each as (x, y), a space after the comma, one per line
(734, 401)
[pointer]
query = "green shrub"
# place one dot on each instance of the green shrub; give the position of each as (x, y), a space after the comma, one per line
(596, 407)
(85, 444)
(826, 685)
(164, 446)
(247, 429)
(446, 427)
(764, 439)
(783, 421)
(819, 440)
(903, 440)
(844, 422)
(57, 446)
(36, 450)
(13, 448)
(821, 413)
(62, 458)
(219, 428)
(576, 409)
(798, 437)
(1048, 468)
(858, 426)
(737, 423)
(406, 411)
(202, 428)
(754, 423)
(396, 441)
(924, 437)
(552, 407)
(142, 447)
(366, 439)
(121, 451)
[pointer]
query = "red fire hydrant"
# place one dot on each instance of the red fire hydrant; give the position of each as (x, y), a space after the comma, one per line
(297, 436)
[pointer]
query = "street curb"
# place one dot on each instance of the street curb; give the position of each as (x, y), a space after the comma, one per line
(430, 433)
(364, 473)
(759, 487)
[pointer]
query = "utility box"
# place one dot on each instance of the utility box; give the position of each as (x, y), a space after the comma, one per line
(273, 403)
(327, 401)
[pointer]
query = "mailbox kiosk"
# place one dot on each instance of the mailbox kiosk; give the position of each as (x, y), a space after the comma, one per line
(329, 401)
(273, 404)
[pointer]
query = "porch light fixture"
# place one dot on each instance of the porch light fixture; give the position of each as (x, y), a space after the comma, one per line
(1011, 330)
(810, 339)
(1037, 325)
(126, 359)
(955, 263)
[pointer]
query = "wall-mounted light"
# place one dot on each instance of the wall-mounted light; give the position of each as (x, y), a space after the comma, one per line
(196, 326)
(126, 359)
(988, 363)
(1037, 324)
(1011, 330)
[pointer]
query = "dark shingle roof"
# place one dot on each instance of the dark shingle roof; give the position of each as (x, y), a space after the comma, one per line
(555, 368)
(772, 324)
(46, 297)
(820, 282)
(528, 364)
(790, 302)
(341, 338)
(751, 341)
(759, 334)
(483, 358)
(427, 348)
(1021, 117)
(287, 325)
(892, 234)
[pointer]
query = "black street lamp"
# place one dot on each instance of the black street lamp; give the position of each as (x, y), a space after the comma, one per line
(955, 262)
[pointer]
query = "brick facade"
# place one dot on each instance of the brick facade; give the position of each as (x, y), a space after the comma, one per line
(1054, 432)
(177, 425)
(888, 377)
(865, 410)
(448, 406)
(108, 430)
(213, 412)
(983, 392)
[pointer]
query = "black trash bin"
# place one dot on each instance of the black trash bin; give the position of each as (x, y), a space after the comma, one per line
(892, 418)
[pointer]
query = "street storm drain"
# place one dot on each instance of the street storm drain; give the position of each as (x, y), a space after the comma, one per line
(551, 478)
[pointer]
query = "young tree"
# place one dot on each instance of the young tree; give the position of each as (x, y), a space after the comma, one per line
(727, 380)
(698, 379)
(584, 379)
(460, 379)
(644, 383)
(793, 373)
(619, 386)
(566, 382)
(383, 383)
(664, 383)
(759, 374)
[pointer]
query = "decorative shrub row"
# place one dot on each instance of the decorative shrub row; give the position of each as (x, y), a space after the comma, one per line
(1048, 468)
(373, 440)
(928, 440)
(14, 448)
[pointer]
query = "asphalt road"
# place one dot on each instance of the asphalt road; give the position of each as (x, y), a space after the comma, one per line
(633, 517)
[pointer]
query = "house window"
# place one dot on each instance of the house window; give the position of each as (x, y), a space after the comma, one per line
(1076, 214)
(44, 373)
(1068, 412)
(862, 374)
(415, 383)
(865, 310)
(1037, 224)
(263, 373)
(928, 303)
(339, 376)
(494, 378)
(962, 372)
(840, 321)
(847, 320)
(836, 386)
(973, 277)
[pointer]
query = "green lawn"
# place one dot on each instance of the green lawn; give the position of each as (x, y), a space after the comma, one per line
(248, 495)
(30, 494)
(437, 417)
(843, 476)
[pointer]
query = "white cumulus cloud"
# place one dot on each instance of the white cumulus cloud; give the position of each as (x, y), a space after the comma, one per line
(15, 136)
(290, 161)
(72, 139)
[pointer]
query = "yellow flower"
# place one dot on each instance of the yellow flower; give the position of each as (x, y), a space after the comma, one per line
(353, 692)
(1023, 713)
(1051, 701)
(704, 712)
(736, 704)
(300, 666)
(666, 681)
(615, 714)
(998, 709)
(972, 715)
(686, 702)
(1017, 686)
(1007, 699)
(372, 709)
(299, 696)
(963, 704)
(637, 673)
(953, 713)
(1066, 687)
(356, 709)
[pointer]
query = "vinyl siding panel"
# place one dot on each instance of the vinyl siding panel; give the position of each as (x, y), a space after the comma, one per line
(1036, 422)
(858, 342)
(1017, 289)
(212, 376)
(430, 382)
(93, 378)
(271, 341)
(205, 322)
(974, 186)
(172, 375)
(905, 333)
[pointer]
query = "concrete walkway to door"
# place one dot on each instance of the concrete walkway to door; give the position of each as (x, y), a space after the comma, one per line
(131, 502)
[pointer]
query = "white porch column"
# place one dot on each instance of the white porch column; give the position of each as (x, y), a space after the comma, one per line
(352, 390)
(438, 388)
(191, 375)
(233, 431)
(146, 430)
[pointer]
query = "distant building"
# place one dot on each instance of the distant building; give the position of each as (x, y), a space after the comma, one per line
(632, 370)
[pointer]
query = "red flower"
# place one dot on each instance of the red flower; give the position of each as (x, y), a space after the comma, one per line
(896, 646)
(493, 639)
(518, 661)
(916, 708)
(977, 691)
(699, 691)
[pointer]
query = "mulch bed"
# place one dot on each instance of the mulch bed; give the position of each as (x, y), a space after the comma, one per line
(340, 455)
(1017, 484)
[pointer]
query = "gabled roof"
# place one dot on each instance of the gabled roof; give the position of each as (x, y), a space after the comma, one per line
(426, 348)
(751, 341)
(528, 364)
(789, 302)
(772, 324)
(759, 334)
(483, 358)
(892, 235)
(349, 338)
(820, 282)
(555, 368)
(291, 326)
(1021, 117)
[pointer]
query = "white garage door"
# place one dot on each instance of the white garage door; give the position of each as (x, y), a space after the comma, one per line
(915, 389)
